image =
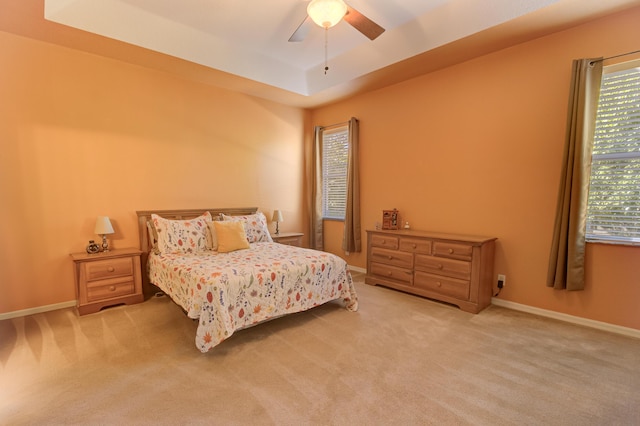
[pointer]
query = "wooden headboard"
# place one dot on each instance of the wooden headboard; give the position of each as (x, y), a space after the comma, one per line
(145, 215)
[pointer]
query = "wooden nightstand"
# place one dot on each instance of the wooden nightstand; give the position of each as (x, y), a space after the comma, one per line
(107, 279)
(288, 238)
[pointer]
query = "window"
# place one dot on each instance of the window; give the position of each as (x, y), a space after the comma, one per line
(335, 153)
(613, 212)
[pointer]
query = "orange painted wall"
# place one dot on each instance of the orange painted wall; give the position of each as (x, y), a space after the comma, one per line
(83, 136)
(476, 148)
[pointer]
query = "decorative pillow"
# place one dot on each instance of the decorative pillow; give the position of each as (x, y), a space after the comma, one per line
(182, 236)
(255, 226)
(213, 242)
(153, 237)
(231, 236)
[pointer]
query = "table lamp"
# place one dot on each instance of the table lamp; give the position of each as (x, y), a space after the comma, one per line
(277, 218)
(104, 228)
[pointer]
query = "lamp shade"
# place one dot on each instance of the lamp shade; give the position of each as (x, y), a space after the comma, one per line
(326, 13)
(103, 226)
(277, 216)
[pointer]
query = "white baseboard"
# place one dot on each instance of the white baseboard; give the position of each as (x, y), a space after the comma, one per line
(38, 310)
(357, 269)
(618, 329)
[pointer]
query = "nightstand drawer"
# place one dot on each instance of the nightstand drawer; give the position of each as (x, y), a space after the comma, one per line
(108, 289)
(109, 268)
(290, 241)
(288, 238)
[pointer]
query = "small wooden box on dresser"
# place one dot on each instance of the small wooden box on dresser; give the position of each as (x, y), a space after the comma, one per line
(456, 269)
(107, 278)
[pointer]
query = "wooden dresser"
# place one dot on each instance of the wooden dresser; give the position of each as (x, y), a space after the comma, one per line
(107, 279)
(456, 269)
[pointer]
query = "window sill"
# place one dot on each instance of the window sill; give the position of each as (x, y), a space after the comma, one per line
(614, 243)
(332, 219)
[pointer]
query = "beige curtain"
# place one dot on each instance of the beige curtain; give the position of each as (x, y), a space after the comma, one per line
(566, 262)
(316, 231)
(351, 240)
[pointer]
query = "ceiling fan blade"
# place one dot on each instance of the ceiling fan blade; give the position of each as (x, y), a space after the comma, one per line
(363, 24)
(303, 29)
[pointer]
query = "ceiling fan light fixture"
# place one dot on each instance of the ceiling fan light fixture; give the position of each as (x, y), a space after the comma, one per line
(326, 13)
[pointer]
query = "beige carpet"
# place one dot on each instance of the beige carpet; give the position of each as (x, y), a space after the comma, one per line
(400, 360)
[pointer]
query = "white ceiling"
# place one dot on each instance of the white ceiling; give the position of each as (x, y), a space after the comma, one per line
(249, 38)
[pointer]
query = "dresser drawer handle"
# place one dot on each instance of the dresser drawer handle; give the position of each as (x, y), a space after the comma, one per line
(390, 273)
(439, 284)
(112, 288)
(111, 269)
(450, 251)
(439, 266)
(384, 241)
(415, 246)
(390, 257)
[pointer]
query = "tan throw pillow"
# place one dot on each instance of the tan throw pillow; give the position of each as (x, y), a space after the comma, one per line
(213, 242)
(231, 236)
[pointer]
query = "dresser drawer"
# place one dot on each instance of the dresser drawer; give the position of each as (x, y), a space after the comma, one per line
(109, 268)
(415, 245)
(392, 257)
(108, 289)
(384, 241)
(443, 266)
(392, 272)
(453, 250)
(446, 286)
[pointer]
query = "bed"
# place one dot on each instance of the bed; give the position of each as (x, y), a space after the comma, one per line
(193, 257)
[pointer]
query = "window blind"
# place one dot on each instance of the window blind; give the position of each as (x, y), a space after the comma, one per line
(335, 152)
(613, 212)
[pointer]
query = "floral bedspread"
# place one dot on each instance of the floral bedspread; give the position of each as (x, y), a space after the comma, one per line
(230, 291)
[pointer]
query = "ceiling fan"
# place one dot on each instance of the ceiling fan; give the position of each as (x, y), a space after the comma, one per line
(327, 13)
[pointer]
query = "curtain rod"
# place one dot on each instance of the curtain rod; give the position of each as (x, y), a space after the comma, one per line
(334, 125)
(616, 56)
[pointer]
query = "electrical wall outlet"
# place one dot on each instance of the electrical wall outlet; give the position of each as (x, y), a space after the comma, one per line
(502, 279)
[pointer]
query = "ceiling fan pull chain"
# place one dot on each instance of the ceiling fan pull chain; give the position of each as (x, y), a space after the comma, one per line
(326, 44)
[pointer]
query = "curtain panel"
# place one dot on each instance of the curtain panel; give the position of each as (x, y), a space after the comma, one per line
(566, 260)
(352, 240)
(316, 238)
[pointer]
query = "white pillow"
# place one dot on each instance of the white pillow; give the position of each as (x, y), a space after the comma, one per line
(255, 225)
(182, 236)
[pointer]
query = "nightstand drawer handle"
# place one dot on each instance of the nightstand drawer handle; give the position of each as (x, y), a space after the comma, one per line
(111, 269)
(439, 266)
(439, 284)
(112, 288)
(415, 246)
(450, 251)
(390, 257)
